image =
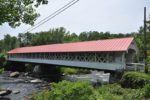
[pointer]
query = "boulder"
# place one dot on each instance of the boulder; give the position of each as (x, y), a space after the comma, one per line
(37, 69)
(5, 92)
(15, 91)
(36, 81)
(26, 74)
(14, 74)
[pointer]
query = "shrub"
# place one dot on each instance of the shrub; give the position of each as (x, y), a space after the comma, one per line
(2, 59)
(116, 92)
(67, 91)
(83, 91)
(147, 90)
(134, 80)
(69, 71)
(83, 71)
(133, 94)
(110, 92)
(1, 70)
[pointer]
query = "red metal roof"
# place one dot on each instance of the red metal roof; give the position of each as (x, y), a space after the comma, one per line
(118, 44)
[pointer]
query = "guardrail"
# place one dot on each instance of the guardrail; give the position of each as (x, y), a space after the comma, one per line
(135, 67)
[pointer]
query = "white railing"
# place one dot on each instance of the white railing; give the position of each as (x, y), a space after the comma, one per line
(85, 56)
(135, 67)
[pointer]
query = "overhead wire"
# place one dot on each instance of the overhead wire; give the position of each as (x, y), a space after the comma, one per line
(51, 16)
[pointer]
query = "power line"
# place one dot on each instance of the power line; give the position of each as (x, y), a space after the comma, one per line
(51, 16)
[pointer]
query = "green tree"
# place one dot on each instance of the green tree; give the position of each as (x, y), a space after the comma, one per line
(8, 43)
(93, 35)
(71, 37)
(16, 12)
(25, 39)
(83, 36)
(50, 37)
(14, 42)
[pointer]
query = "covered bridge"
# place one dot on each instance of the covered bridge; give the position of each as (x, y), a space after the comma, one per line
(110, 54)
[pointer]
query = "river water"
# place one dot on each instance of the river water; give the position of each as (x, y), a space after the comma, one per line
(26, 88)
(21, 84)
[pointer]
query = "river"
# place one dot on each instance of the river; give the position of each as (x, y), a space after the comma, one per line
(26, 88)
(21, 84)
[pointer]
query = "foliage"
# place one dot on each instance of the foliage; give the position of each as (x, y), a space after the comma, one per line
(9, 43)
(74, 71)
(67, 91)
(69, 70)
(83, 91)
(116, 92)
(83, 71)
(147, 90)
(1, 70)
(134, 80)
(148, 60)
(2, 60)
(17, 11)
(50, 37)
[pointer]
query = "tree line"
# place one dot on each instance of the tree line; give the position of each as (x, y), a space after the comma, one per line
(61, 35)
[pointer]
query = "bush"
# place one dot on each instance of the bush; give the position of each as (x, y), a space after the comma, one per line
(67, 91)
(2, 62)
(1, 70)
(2, 59)
(133, 94)
(69, 71)
(83, 91)
(134, 80)
(147, 90)
(116, 92)
(110, 92)
(83, 71)
(74, 71)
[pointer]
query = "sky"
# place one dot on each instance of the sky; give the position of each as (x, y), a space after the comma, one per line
(115, 16)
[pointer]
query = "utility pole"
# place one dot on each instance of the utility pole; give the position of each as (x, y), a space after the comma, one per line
(145, 42)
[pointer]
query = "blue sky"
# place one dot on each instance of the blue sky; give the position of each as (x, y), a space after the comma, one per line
(116, 16)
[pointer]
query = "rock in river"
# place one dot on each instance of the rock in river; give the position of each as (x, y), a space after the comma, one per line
(15, 91)
(5, 92)
(14, 74)
(36, 81)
